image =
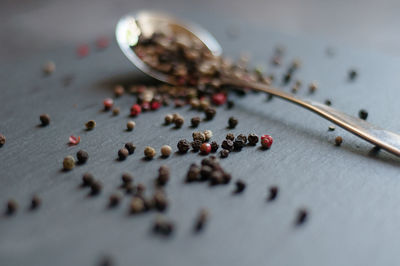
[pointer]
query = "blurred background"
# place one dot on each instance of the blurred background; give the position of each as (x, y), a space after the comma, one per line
(29, 27)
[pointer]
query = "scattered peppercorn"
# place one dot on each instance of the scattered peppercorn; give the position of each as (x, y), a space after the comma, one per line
(122, 154)
(195, 121)
(266, 141)
(114, 199)
(193, 174)
(96, 187)
(238, 144)
(338, 140)
(196, 145)
(44, 119)
(166, 150)
(210, 113)
(130, 125)
(135, 110)
(230, 136)
(35, 202)
(126, 179)
(200, 136)
(273, 193)
(118, 91)
(242, 137)
(201, 220)
(130, 147)
(301, 216)
(49, 67)
(232, 122)
(149, 153)
(108, 103)
(208, 134)
(69, 163)
(331, 128)
(87, 180)
(163, 226)
(163, 175)
(12, 207)
(160, 200)
(253, 139)
(205, 148)
(106, 261)
(313, 87)
(214, 146)
(179, 121)
(2, 140)
(183, 146)
(240, 186)
(168, 119)
(363, 114)
(116, 111)
(82, 156)
(286, 78)
(328, 102)
(352, 74)
(227, 145)
(136, 205)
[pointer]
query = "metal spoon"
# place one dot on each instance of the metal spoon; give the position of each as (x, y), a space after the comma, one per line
(131, 26)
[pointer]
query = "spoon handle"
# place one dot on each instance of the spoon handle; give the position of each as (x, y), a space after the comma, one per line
(384, 139)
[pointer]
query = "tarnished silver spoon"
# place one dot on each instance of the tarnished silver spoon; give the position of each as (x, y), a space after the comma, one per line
(131, 26)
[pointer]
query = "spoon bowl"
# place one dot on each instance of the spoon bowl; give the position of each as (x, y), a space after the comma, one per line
(132, 26)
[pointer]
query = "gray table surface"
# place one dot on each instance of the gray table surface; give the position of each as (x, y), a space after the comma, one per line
(351, 194)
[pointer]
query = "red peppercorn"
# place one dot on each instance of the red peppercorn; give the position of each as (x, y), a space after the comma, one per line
(219, 98)
(266, 141)
(82, 50)
(135, 110)
(205, 148)
(155, 105)
(108, 103)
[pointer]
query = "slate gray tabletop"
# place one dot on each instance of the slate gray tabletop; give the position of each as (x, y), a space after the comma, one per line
(351, 194)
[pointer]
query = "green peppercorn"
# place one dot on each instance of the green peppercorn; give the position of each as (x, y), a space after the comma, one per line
(69, 163)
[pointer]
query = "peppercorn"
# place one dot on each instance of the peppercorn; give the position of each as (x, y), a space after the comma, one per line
(200, 136)
(205, 172)
(163, 227)
(195, 121)
(149, 152)
(114, 199)
(49, 67)
(253, 139)
(226, 178)
(168, 119)
(243, 138)
(227, 145)
(82, 156)
(183, 146)
(135, 110)
(273, 193)
(12, 207)
(194, 103)
(205, 148)
(238, 144)
(126, 179)
(328, 102)
(166, 151)
(163, 175)
(140, 188)
(108, 103)
(352, 74)
(338, 140)
(240, 186)
(196, 145)
(301, 216)
(160, 200)
(116, 111)
(216, 178)
(295, 89)
(2, 140)
(230, 136)
(106, 261)
(266, 141)
(214, 146)
(286, 78)
(35, 202)
(130, 125)
(122, 154)
(331, 128)
(68, 163)
(201, 220)
(118, 91)
(208, 134)
(130, 147)
(210, 113)
(87, 179)
(136, 205)
(129, 188)
(313, 87)
(363, 114)
(44, 119)
(91, 124)
(230, 104)
(179, 121)
(193, 173)
(96, 187)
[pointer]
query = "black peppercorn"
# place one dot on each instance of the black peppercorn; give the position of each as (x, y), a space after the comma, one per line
(205, 172)
(301, 216)
(201, 220)
(96, 187)
(352, 74)
(286, 78)
(232, 122)
(363, 114)
(122, 154)
(12, 207)
(253, 139)
(2, 140)
(238, 144)
(242, 138)
(130, 147)
(126, 179)
(106, 261)
(82, 156)
(227, 145)
(226, 178)
(216, 178)
(338, 140)
(114, 199)
(214, 146)
(230, 136)
(196, 145)
(44, 119)
(87, 179)
(140, 188)
(230, 104)
(163, 175)
(210, 113)
(224, 153)
(240, 186)
(193, 173)
(35, 202)
(273, 193)
(179, 121)
(160, 201)
(163, 227)
(328, 102)
(195, 121)
(183, 146)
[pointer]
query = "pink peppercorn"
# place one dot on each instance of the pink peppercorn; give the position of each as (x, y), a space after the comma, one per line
(82, 50)
(205, 148)
(108, 103)
(135, 110)
(155, 105)
(219, 98)
(266, 141)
